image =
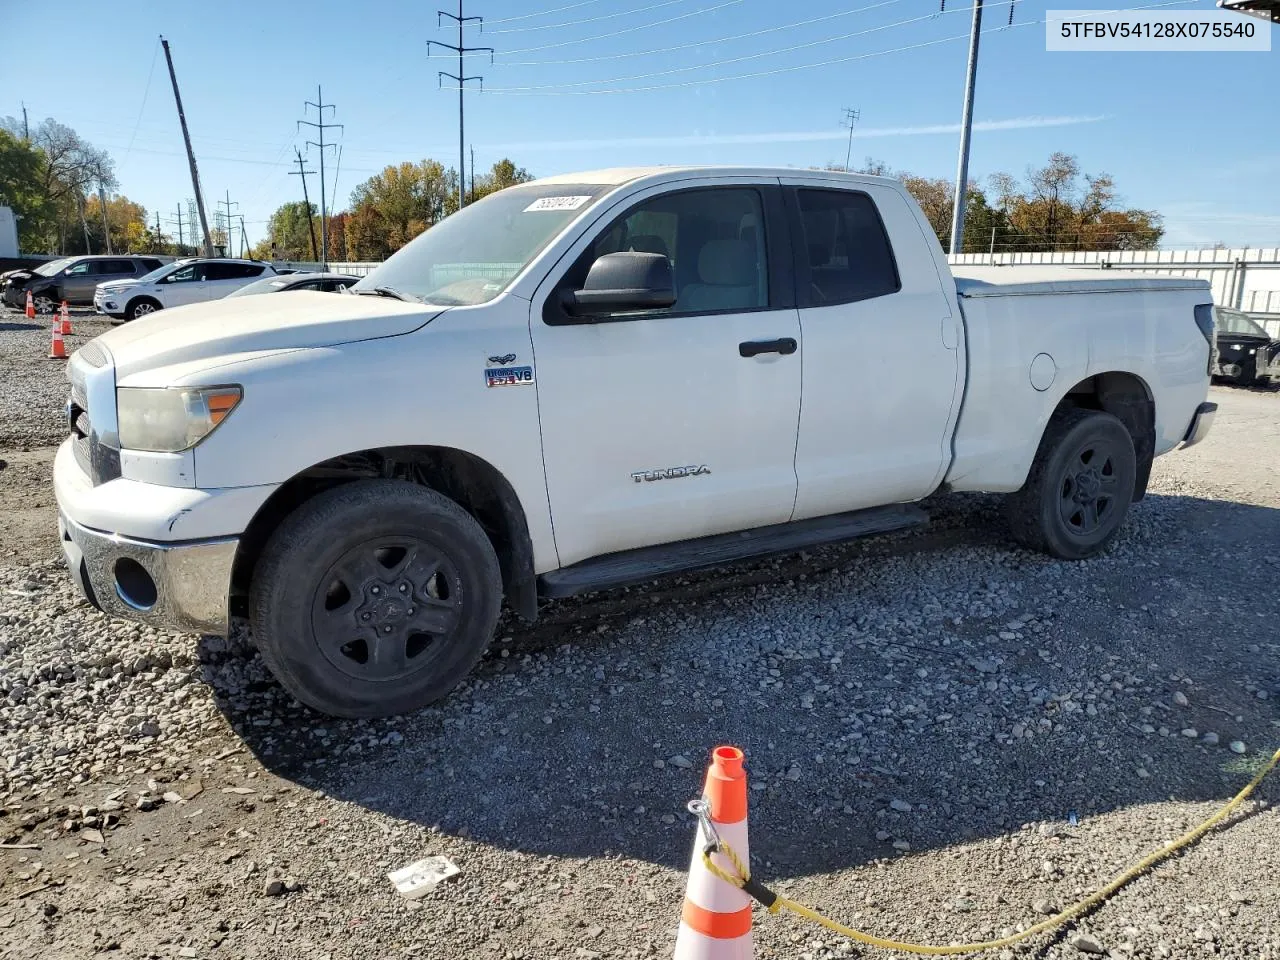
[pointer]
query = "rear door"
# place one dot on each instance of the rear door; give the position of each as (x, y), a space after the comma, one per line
(115, 270)
(882, 367)
(667, 425)
(226, 277)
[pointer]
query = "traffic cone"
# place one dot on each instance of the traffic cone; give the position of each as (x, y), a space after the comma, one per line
(31, 307)
(715, 923)
(57, 348)
(66, 319)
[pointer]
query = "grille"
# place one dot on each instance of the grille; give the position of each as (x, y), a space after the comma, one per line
(84, 457)
(93, 355)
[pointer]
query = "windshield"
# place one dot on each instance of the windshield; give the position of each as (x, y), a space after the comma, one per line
(1233, 321)
(471, 256)
(265, 285)
(52, 267)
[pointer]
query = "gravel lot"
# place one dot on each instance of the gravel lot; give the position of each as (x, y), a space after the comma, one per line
(921, 714)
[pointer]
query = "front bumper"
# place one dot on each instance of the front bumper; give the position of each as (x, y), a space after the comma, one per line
(180, 585)
(1201, 422)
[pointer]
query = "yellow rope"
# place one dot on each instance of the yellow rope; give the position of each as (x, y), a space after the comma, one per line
(1191, 836)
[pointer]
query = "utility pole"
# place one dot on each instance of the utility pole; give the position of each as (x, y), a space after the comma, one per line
(178, 221)
(245, 246)
(311, 225)
(472, 193)
(102, 206)
(158, 231)
(191, 157)
(966, 128)
(461, 50)
(851, 117)
(227, 220)
(26, 131)
(321, 106)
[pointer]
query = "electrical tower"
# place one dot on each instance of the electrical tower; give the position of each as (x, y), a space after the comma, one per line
(311, 225)
(851, 118)
(461, 77)
(227, 219)
(321, 126)
(178, 221)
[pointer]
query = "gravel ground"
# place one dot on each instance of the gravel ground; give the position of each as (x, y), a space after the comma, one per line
(921, 714)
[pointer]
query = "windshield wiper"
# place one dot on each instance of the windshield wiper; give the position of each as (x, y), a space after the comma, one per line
(388, 292)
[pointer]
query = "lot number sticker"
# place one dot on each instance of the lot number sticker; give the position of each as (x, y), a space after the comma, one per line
(556, 203)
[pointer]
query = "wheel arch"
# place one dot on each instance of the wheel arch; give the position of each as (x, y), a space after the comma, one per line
(1128, 398)
(139, 298)
(468, 480)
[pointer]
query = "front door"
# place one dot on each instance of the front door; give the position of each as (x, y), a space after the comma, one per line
(671, 424)
(185, 285)
(79, 281)
(883, 362)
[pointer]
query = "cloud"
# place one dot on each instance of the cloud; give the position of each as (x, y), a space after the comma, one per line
(794, 136)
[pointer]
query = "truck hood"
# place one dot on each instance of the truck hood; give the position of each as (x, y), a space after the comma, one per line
(221, 328)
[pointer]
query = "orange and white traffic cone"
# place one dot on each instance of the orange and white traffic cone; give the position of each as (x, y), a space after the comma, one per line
(31, 307)
(66, 319)
(715, 923)
(57, 348)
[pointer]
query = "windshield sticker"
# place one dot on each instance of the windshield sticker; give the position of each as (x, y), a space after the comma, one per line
(556, 203)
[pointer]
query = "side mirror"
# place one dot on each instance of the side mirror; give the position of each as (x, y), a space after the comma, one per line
(618, 282)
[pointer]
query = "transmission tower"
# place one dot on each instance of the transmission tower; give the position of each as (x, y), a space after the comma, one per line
(321, 126)
(461, 50)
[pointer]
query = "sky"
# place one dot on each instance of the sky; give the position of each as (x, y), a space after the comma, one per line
(1194, 136)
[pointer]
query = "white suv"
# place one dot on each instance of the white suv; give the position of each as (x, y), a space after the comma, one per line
(185, 281)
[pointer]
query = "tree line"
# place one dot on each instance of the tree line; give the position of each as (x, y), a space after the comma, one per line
(53, 179)
(1057, 207)
(385, 212)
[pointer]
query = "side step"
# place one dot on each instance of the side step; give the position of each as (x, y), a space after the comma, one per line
(648, 563)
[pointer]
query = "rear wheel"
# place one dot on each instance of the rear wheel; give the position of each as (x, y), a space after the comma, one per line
(375, 598)
(1079, 488)
(141, 307)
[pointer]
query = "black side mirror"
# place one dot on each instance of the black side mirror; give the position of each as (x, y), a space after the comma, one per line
(618, 282)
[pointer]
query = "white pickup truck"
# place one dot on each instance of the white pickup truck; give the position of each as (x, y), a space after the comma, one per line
(592, 380)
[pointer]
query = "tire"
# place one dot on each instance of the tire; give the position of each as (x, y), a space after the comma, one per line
(334, 594)
(141, 308)
(1080, 486)
(45, 302)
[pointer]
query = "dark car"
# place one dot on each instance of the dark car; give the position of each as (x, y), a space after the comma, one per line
(1247, 354)
(73, 279)
(325, 282)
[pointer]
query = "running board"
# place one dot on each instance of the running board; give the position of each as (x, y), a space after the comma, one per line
(648, 563)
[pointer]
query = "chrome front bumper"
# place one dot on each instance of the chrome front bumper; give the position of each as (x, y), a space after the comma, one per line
(184, 586)
(1200, 424)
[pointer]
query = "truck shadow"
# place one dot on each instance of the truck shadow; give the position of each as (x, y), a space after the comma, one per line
(985, 686)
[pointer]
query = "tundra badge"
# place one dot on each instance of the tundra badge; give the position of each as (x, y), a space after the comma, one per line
(670, 473)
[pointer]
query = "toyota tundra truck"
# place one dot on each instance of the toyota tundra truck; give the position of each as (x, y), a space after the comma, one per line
(594, 380)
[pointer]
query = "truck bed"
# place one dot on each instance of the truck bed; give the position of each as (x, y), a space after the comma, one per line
(1020, 281)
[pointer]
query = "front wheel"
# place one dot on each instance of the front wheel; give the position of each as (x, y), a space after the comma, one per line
(44, 302)
(375, 598)
(141, 308)
(1079, 488)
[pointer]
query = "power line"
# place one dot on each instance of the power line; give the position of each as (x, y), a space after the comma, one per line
(759, 73)
(603, 16)
(321, 126)
(626, 30)
(628, 54)
(731, 60)
(546, 13)
(461, 77)
(155, 53)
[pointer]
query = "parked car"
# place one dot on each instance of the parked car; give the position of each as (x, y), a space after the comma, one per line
(1247, 354)
(192, 280)
(73, 279)
(593, 380)
(324, 282)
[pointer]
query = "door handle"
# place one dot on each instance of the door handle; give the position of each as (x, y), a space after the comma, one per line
(751, 348)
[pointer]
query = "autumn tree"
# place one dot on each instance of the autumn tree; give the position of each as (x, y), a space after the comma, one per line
(21, 188)
(501, 175)
(293, 233)
(394, 206)
(127, 222)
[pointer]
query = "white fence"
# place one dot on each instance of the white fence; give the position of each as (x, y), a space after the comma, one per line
(1247, 278)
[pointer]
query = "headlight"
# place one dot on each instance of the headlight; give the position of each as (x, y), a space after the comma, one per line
(166, 420)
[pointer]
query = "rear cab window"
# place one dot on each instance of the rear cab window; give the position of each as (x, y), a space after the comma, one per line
(845, 254)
